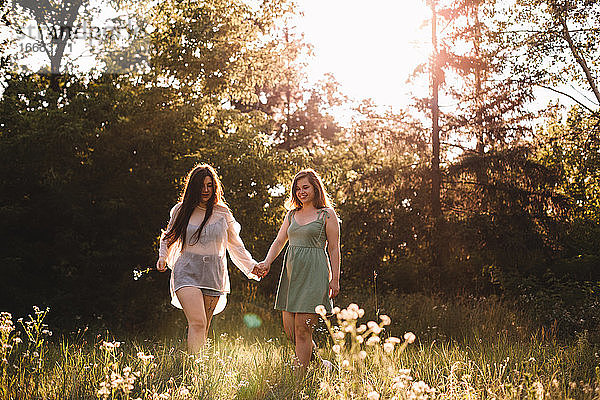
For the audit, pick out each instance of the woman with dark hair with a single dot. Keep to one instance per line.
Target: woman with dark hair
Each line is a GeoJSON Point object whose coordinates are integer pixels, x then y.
{"type": "Point", "coordinates": [310, 276]}
{"type": "Point", "coordinates": [200, 230]}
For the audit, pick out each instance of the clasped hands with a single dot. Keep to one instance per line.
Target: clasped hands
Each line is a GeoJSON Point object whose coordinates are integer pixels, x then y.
{"type": "Point", "coordinates": [261, 269]}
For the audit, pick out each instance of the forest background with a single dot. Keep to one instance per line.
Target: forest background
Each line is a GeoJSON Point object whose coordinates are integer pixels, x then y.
{"type": "Point", "coordinates": [493, 199]}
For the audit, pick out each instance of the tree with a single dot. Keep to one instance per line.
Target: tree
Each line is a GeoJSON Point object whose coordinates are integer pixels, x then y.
{"type": "Point", "coordinates": [560, 45]}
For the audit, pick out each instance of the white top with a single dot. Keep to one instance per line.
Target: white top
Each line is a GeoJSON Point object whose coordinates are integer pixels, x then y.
{"type": "Point", "coordinates": [220, 233]}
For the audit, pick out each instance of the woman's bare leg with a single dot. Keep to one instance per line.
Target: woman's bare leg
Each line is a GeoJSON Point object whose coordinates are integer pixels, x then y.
{"type": "Point", "coordinates": [288, 324]}
{"type": "Point", "coordinates": [192, 301]}
{"type": "Point", "coordinates": [303, 328]}
{"type": "Point", "coordinates": [210, 302]}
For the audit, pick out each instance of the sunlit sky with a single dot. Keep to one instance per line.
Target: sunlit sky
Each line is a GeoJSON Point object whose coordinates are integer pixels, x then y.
{"type": "Point", "coordinates": [371, 47]}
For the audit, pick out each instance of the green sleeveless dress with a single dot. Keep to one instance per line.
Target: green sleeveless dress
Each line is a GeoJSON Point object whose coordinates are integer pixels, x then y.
{"type": "Point", "coordinates": [304, 281]}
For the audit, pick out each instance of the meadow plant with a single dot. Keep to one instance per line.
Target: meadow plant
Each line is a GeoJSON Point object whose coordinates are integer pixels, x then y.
{"type": "Point", "coordinates": [23, 363]}
{"type": "Point", "coordinates": [366, 364]}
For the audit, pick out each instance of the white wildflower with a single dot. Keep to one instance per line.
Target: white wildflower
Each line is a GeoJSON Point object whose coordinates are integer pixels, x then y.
{"type": "Point", "coordinates": [320, 309]}
{"type": "Point", "coordinates": [409, 337]}
{"type": "Point", "coordinates": [373, 395]}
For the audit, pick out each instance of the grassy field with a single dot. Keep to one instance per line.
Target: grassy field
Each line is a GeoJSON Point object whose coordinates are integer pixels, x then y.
{"type": "Point", "coordinates": [464, 349]}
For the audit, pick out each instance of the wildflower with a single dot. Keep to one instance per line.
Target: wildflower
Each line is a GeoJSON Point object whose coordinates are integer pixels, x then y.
{"type": "Point", "coordinates": [17, 340]}
{"type": "Point", "coordinates": [345, 364]}
{"type": "Point", "coordinates": [361, 328]}
{"type": "Point", "coordinates": [109, 345]}
{"type": "Point", "coordinates": [323, 385]}
{"type": "Point", "coordinates": [539, 390]}
{"type": "Point", "coordinates": [376, 329]}
{"type": "Point", "coordinates": [320, 309]}
{"type": "Point", "coordinates": [409, 337]}
{"type": "Point", "coordinates": [362, 354]}
{"type": "Point", "coordinates": [393, 340]}
{"type": "Point", "coordinates": [336, 310]}
{"type": "Point", "coordinates": [104, 391]}
{"type": "Point", "coordinates": [339, 335]}
{"type": "Point", "coordinates": [420, 390]}
{"type": "Point", "coordinates": [348, 315]}
{"type": "Point", "coordinates": [400, 382]}
{"type": "Point", "coordinates": [373, 395]}
{"type": "Point", "coordinates": [359, 339]}
{"type": "Point", "coordinates": [388, 347]}
{"type": "Point", "coordinates": [361, 312]}
{"type": "Point", "coordinates": [373, 340]}
{"type": "Point", "coordinates": [183, 391]}
{"type": "Point", "coordinates": [385, 319]}
{"type": "Point", "coordinates": [336, 348]}
{"type": "Point", "coordinates": [145, 357]}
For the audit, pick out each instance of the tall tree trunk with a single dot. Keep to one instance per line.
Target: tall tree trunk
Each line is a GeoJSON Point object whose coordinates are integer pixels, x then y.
{"type": "Point", "coordinates": [436, 246]}
{"type": "Point", "coordinates": [436, 208]}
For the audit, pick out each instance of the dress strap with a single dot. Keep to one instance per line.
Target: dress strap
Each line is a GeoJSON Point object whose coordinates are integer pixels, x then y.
{"type": "Point", "coordinates": [322, 217]}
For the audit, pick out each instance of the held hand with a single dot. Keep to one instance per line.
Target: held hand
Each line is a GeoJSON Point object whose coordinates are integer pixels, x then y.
{"type": "Point", "coordinates": [334, 288]}
{"type": "Point", "coordinates": [257, 270]}
{"type": "Point", "coordinates": [263, 268]}
{"type": "Point", "coordinates": [161, 265]}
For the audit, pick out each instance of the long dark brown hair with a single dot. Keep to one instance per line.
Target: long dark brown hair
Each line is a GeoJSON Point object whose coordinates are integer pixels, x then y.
{"type": "Point", "coordinates": [190, 198]}
{"type": "Point", "coordinates": [321, 197]}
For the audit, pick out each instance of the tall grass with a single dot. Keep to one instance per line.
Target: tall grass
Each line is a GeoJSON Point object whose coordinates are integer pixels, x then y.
{"type": "Point", "coordinates": [465, 349]}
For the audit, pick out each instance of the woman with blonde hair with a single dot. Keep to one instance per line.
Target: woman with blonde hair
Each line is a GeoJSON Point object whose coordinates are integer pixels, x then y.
{"type": "Point", "coordinates": [310, 276]}
{"type": "Point", "coordinates": [200, 230]}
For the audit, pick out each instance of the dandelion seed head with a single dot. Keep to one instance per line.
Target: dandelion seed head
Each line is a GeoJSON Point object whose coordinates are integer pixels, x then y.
{"type": "Point", "coordinates": [388, 347]}
{"type": "Point", "coordinates": [373, 395]}
{"type": "Point", "coordinates": [373, 340]}
{"type": "Point", "coordinates": [339, 335]}
{"type": "Point", "coordinates": [320, 309]}
{"type": "Point", "coordinates": [409, 337]}
{"type": "Point", "coordinates": [394, 340]}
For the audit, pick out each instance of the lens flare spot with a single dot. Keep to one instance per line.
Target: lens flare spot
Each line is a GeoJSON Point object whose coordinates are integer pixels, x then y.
{"type": "Point", "coordinates": [252, 320]}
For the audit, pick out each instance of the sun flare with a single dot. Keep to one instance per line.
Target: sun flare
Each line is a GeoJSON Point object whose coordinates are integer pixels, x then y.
{"type": "Point", "coordinates": [370, 47]}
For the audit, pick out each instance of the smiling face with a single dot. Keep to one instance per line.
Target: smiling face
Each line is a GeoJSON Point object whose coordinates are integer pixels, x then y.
{"type": "Point", "coordinates": [207, 190]}
{"type": "Point", "coordinates": [305, 191]}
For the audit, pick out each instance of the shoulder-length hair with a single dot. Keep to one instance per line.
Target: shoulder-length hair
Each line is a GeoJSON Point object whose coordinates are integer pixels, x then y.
{"type": "Point", "coordinates": [322, 198]}
{"type": "Point", "coordinates": [190, 199]}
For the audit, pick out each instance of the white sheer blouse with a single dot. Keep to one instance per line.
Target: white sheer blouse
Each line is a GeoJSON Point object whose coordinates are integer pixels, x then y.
{"type": "Point", "coordinates": [221, 233]}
